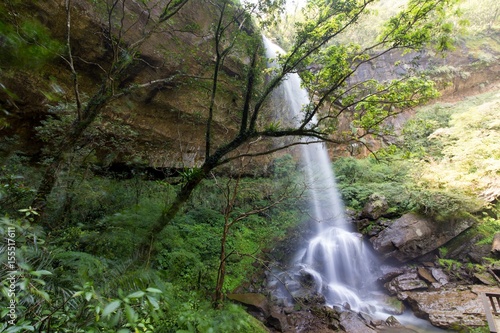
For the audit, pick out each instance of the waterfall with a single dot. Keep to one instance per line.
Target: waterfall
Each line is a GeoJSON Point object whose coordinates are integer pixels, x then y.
{"type": "Point", "coordinates": [334, 261]}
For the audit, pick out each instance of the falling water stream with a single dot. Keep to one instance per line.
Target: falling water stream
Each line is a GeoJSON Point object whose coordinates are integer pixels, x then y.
{"type": "Point", "coordinates": [335, 260]}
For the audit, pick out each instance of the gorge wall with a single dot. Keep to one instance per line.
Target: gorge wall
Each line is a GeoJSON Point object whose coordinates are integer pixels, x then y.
{"type": "Point", "coordinates": [165, 126]}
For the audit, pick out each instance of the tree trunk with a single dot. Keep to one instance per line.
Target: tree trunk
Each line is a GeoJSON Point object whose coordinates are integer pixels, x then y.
{"type": "Point", "coordinates": [67, 144]}
{"type": "Point", "coordinates": [147, 246]}
{"type": "Point", "coordinates": [221, 273]}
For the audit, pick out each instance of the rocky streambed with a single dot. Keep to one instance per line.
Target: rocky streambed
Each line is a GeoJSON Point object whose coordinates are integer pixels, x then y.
{"type": "Point", "coordinates": [434, 271]}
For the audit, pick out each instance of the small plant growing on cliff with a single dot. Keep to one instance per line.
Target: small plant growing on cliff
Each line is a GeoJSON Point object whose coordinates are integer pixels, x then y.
{"type": "Point", "coordinates": [449, 264]}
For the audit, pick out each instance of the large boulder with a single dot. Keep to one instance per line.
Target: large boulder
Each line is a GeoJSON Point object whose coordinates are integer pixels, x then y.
{"type": "Point", "coordinates": [452, 307]}
{"type": "Point", "coordinates": [412, 236]}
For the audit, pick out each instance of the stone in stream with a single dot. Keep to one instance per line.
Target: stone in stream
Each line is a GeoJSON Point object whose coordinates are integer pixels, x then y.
{"type": "Point", "coordinates": [351, 322]}
{"type": "Point", "coordinates": [405, 282]}
{"type": "Point", "coordinates": [426, 275]}
{"type": "Point", "coordinates": [440, 276]}
{"type": "Point", "coordinates": [390, 272]}
{"type": "Point", "coordinates": [452, 307]}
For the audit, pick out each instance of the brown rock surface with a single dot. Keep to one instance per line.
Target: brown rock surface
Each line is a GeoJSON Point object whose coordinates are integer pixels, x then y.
{"type": "Point", "coordinates": [406, 282]}
{"type": "Point", "coordinates": [445, 308]}
{"type": "Point", "coordinates": [412, 236]}
{"type": "Point", "coordinates": [254, 300]}
{"type": "Point", "coordinates": [350, 322]}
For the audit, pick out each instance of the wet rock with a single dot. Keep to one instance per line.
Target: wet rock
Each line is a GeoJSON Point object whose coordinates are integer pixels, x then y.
{"type": "Point", "coordinates": [275, 322]}
{"type": "Point", "coordinates": [369, 228]}
{"type": "Point", "coordinates": [392, 322]}
{"type": "Point", "coordinates": [308, 322]}
{"type": "Point", "coordinates": [328, 315]}
{"type": "Point", "coordinates": [395, 330]}
{"type": "Point", "coordinates": [406, 282]}
{"type": "Point", "coordinates": [452, 307]}
{"type": "Point", "coordinates": [310, 298]}
{"type": "Point", "coordinates": [375, 207]}
{"type": "Point", "coordinates": [412, 236]}
{"type": "Point", "coordinates": [391, 305]}
{"type": "Point", "coordinates": [369, 320]}
{"type": "Point", "coordinates": [390, 272]}
{"type": "Point", "coordinates": [351, 322]}
{"type": "Point", "coordinates": [307, 280]}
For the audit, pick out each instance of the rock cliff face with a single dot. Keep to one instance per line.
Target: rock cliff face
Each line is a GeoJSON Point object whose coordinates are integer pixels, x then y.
{"type": "Point", "coordinates": [165, 125]}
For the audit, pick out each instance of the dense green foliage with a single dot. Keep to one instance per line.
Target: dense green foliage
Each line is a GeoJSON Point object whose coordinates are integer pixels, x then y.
{"type": "Point", "coordinates": [81, 275]}
{"type": "Point", "coordinates": [358, 179]}
{"type": "Point", "coordinates": [477, 16]}
{"type": "Point", "coordinates": [445, 165]}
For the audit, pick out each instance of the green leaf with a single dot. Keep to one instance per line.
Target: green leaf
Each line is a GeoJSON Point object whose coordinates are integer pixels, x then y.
{"type": "Point", "coordinates": [153, 302]}
{"type": "Point", "coordinates": [154, 290]}
{"type": "Point", "coordinates": [110, 308]}
{"type": "Point", "coordinates": [137, 294]}
{"type": "Point", "coordinates": [116, 318]}
{"type": "Point", "coordinates": [41, 272]}
{"type": "Point", "coordinates": [42, 294]}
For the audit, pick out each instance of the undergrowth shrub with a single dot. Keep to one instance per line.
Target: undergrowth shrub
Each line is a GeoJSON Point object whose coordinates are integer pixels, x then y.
{"type": "Point", "coordinates": [490, 224]}
{"type": "Point", "coordinates": [17, 184]}
{"type": "Point", "coordinates": [201, 317]}
{"type": "Point", "coordinates": [358, 179]}
{"type": "Point", "coordinates": [442, 204]}
{"type": "Point", "coordinates": [84, 268]}
{"type": "Point", "coordinates": [104, 297]}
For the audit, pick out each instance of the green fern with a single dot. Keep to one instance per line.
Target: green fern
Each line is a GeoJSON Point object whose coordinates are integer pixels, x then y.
{"type": "Point", "coordinates": [79, 265]}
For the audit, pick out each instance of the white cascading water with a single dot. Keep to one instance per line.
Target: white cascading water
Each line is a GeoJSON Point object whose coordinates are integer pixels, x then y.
{"type": "Point", "coordinates": [335, 258]}
{"type": "Point", "coordinates": [334, 261]}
